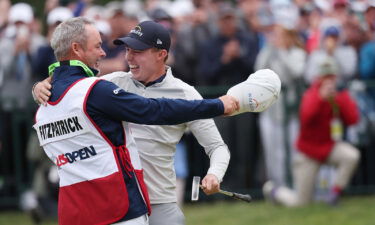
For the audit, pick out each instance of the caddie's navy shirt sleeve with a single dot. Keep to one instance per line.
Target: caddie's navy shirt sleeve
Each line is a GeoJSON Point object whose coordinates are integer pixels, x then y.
{"type": "Point", "coordinates": [107, 98]}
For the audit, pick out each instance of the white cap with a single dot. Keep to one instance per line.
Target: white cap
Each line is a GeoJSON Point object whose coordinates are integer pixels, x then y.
{"type": "Point", "coordinates": [59, 14]}
{"type": "Point", "coordinates": [21, 12]}
{"type": "Point", "coordinates": [103, 27]}
{"type": "Point", "coordinates": [258, 92]}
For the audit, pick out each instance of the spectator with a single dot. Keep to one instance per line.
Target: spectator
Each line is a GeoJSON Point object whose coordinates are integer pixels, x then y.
{"type": "Point", "coordinates": [313, 32]}
{"type": "Point", "coordinates": [332, 46]}
{"type": "Point", "coordinates": [369, 17]}
{"type": "Point", "coordinates": [227, 58]}
{"type": "Point", "coordinates": [340, 10]}
{"type": "Point", "coordinates": [367, 55]}
{"type": "Point", "coordinates": [367, 61]}
{"type": "Point", "coordinates": [324, 112]}
{"type": "Point", "coordinates": [20, 44]}
{"type": "Point", "coordinates": [352, 32]}
{"type": "Point", "coordinates": [190, 35]}
{"type": "Point", "coordinates": [119, 27]}
{"type": "Point", "coordinates": [18, 47]}
{"type": "Point", "coordinates": [257, 17]}
{"type": "Point", "coordinates": [285, 55]}
{"type": "Point", "coordinates": [45, 56]}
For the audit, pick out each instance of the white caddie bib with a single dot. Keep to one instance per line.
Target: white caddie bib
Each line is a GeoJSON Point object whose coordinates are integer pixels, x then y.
{"type": "Point", "coordinates": [71, 140]}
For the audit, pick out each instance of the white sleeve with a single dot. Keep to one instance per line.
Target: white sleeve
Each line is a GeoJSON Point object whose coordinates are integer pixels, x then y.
{"type": "Point", "coordinates": [208, 136]}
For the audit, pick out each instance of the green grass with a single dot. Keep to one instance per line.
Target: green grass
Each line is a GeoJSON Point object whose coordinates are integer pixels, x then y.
{"type": "Point", "coordinates": [351, 211]}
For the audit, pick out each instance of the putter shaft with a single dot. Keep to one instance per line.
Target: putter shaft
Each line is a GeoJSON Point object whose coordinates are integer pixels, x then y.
{"type": "Point", "coordinates": [246, 198]}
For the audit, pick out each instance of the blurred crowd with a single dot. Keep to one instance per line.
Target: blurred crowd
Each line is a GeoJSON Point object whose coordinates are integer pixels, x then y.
{"type": "Point", "coordinates": [214, 42]}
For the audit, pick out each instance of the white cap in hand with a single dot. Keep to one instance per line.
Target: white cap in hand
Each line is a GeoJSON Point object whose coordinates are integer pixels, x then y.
{"type": "Point", "coordinates": [258, 92]}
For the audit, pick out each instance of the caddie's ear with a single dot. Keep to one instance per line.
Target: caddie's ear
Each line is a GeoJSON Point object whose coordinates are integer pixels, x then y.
{"type": "Point", "coordinates": [77, 49]}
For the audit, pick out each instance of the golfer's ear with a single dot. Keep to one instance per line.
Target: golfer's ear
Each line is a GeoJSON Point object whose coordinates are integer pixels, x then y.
{"type": "Point", "coordinates": [162, 54]}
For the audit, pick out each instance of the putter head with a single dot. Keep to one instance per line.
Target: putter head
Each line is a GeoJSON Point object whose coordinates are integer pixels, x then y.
{"type": "Point", "coordinates": [195, 188]}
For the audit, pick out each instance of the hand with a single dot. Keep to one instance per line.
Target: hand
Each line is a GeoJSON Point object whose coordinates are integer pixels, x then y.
{"type": "Point", "coordinates": [42, 92]}
{"type": "Point", "coordinates": [231, 50]}
{"type": "Point", "coordinates": [210, 184]}
{"type": "Point", "coordinates": [327, 88]}
{"type": "Point", "coordinates": [230, 103]}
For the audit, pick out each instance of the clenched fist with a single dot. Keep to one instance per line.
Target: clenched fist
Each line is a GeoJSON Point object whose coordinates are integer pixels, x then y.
{"type": "Point", "coordinates": [231, 104]}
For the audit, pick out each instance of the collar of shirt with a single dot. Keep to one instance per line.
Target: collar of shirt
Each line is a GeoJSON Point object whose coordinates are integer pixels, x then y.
{"type": "Point", "coordinates": [160, 79]}
{"type": "Point", "coordinates": [66, 72]}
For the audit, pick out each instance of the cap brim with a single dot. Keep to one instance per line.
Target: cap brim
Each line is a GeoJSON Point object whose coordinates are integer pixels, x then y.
{"type": "Point", "coordinates": [132, 43]}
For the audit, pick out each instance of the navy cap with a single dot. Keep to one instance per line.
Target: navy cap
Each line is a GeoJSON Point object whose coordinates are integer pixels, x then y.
{"type": "Point", "coordinates": [145, 35]}
{"type": "Point", "coordinates": [332, 31]}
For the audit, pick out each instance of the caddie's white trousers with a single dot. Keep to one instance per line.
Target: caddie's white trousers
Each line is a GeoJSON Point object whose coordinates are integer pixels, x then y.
{"type": "Point", "coordinates": [344, 157]}
{"type": "Point", "coordinates": [142, 220]}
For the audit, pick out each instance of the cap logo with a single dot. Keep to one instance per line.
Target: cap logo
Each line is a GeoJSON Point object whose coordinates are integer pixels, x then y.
{"type": "Point", "coordinates": [159, 42]}
{"type": "Point", "coordinates": [137, 30]}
